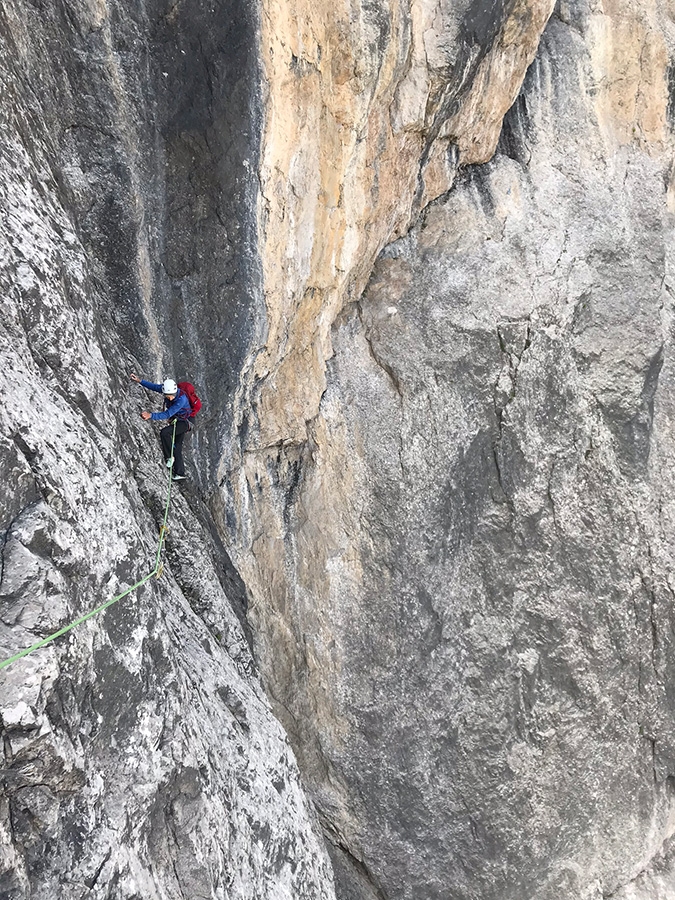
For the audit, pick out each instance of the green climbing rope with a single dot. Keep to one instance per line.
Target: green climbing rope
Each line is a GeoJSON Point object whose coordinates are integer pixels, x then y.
{"type": "Point", "coordinates": [156, 572]}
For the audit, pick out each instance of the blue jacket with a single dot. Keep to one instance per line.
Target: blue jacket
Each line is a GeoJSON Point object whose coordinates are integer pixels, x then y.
{"type": "Point", "coordinates": [179, 407]}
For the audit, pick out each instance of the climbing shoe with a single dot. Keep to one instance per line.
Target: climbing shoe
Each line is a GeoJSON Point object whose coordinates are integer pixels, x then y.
{"type": "Point", "coordinates": [179, 477]}
{"type": "Point", "coordinates": [169, 463]}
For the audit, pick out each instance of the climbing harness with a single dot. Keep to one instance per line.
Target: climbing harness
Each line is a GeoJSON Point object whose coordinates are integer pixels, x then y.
{"type": "Point", "coordinates": [156, 573]}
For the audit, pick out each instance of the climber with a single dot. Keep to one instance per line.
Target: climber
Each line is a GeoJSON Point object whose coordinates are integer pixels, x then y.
{"type": "Point", "coordinates": [177, 408]}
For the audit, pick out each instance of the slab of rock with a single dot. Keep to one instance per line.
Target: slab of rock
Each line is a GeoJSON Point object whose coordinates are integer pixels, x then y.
{"type": "Point", "coordinates": [139, 754]}
{"type": "Point", "coordinates": [369, 107]}
{"type": "Point", "coordinates": [469, 567]}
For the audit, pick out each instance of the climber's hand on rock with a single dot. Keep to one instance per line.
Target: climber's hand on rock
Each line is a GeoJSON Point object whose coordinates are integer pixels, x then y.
{"type": "Point", "coordinates": [145, 415]}
{"type": "Point", "coordinates": [134, 378]}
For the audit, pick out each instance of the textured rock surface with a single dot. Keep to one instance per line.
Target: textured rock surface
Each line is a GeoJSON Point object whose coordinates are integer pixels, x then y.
{"type": "Point", "coordinates": [464, 597]}
{"type": "Point", "coordinates": [449, 499]}
{"type": "Point", "coordinates": [364, 105]}
{"type": "Point", "coordinates": [140, 757]}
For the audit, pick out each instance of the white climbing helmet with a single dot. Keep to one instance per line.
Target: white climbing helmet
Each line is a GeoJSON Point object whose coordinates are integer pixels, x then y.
{"type": "Point", "coordinates": [169, 386]}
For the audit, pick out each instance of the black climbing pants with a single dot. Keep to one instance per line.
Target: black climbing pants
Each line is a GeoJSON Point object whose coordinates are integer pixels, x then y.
{"type": "Point", "coordinates": [166, 434]}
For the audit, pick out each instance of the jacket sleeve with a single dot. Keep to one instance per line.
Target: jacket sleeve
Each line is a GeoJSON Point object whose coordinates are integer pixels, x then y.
{"type": "Point", "coordinates": [151, 386]}
{"type": "Point", "coordinates": [179, 404]}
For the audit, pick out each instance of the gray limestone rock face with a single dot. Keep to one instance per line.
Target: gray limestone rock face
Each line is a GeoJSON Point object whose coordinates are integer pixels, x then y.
{"type": "Point", "coordinates": [480, 542]}
{"type": "Point", "coordinates": [139, 756]}
{"type": "Point", "coordinates": [460, 562]}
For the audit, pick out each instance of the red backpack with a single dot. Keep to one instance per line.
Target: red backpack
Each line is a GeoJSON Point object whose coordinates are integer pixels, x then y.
{"type": "Point", "coordinates": [189, 391]}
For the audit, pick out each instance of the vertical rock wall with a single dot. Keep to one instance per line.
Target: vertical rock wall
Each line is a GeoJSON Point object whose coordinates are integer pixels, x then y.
{"type": "Point", "coordinates": [364, 106]}
{"type": "Point", "coordinates": [462, 588]}
{"type": "Point", "coordinates": [140, 757]}
{"type": "Point", "coordinates": [448, 496]}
